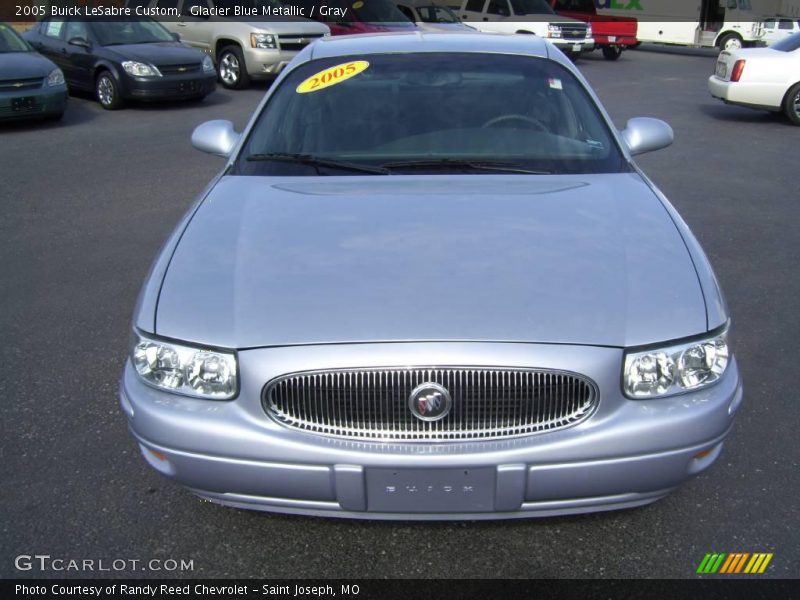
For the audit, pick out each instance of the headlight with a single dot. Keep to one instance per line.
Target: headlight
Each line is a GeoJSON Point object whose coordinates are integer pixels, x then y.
{"type": "Point", "coordinates": [187, 370]}
{"type": "Point", "coordinates": [264, 41]}
{"type": "Point", "coordinates": [675, 369]}
{"type": "Point", "coordinates": [588, 30]}
{"type": "Point", "coordinates": [208, 64]}
{"type": "Point", "coordinates": [55, 78]}
{"type": "Point", "coordinates": [553, 31]}
{"type": "Point", "coordinates": [138, 69]}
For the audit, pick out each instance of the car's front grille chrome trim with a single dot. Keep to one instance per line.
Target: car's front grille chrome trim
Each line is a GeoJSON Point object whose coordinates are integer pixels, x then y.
{"type": "Point", "coordinates": [373, 404]}
{"type": "Point", "coordinates": [17, 85]}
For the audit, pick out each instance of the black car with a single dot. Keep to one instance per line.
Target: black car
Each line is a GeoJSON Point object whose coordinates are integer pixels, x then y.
{"type": "Point", "coordinates": [30, 84]}
{"type": "Point", "coordinates": [124, 59]}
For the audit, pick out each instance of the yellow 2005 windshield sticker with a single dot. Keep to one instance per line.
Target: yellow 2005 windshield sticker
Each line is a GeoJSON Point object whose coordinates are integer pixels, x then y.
{"type": "Point", "coordinates": [332, 76]}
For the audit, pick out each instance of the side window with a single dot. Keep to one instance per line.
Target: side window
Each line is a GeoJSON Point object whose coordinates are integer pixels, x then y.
{"type": "Point", "coordinates": [76, 29]}
{"type": "Point", "coordinates": [498, 7]}
{"type": "Point", "coordinates": [769, 23]}
{"type": "Point", "coordinates": [407, 12]}
{"type": "Point", "coordinates": [786, 24]}
{"type": "Point", "coordinates": [53, 28]}
{"type": "Point", "coordinates": [474, 5]}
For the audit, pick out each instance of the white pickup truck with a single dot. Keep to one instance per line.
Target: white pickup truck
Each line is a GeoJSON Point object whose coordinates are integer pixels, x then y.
{"type": "Point", "coordinates": [526, 16]}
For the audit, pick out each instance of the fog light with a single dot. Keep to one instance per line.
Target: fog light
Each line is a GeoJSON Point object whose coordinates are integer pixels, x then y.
{"type": "Point", "coordinates": [158, 460]}
{"type": "Point", "coordinates": [704, 453]}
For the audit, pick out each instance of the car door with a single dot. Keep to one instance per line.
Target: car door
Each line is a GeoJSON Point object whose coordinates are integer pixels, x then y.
{"type": "Point", "coordinates": [498, 9]}
{"type": "Point", "coordinates": [770, 31]}
{"type": "Point", "coordinates": [785, 28]}
{"type": "Point", "coordinates": [473, 10]}
{"type": "Point", "coordinates": [79, 54]}
{"type": "Point", "coordinates": [50, 41]}
{"type": "Point", "coordinates": [193, 28]}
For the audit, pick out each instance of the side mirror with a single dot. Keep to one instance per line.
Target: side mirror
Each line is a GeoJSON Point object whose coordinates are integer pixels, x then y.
{"type": "Point", "coordinates": [79, 41]}
{"type": "Point", "coordinates": [644, 134]}
{"type": "Point", "coordinates": [176, 36]}
{"type": "Point", "coordinates": [215, 137]}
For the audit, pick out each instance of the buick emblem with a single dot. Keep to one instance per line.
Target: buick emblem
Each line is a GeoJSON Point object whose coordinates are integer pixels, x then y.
{"type": "Point", "coordinates": [430, 402]}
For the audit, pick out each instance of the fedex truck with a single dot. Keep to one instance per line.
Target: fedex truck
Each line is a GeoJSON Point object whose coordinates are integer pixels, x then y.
{"type": "Point", "coordinates": [725, 24]}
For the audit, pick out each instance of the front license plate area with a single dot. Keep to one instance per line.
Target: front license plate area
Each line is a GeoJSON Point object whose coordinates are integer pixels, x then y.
{"type": "Point", "coordinates": [187, 86]}
{"type": "Point", "coordinates": [576, 47]}
{"type": "Point", "coordinates": [21, 104]}
{"type": "Point", "coordinates": [431, 490]}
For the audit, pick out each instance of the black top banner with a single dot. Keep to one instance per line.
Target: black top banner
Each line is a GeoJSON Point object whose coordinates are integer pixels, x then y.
{"type": "Point", "coordinates": [368, 589]}
{"type": "Point", "coordinates": [708, 14]}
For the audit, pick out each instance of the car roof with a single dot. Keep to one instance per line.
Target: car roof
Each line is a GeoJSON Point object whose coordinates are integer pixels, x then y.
{"type": "Point", "coordinates": [418, 41]}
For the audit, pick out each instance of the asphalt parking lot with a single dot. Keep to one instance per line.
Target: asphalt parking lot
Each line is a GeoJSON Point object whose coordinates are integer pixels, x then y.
{"type": "Point", "coordinates": [86, 204]}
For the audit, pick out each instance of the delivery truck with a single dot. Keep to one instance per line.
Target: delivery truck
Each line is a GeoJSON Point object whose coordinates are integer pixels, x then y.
{"type": "Point", "coordinates": [725, 24]}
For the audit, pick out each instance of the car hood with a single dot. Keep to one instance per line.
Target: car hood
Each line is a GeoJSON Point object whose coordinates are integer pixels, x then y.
{"type": "Point", "coordinates": [15, 65]}
{"type": "Point", "coordinates": [161, 53]}
{"type": "Point", "coordinates": [559, 259]}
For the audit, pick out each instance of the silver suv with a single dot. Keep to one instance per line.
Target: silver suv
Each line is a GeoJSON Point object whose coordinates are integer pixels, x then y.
{"type": "Point", "coordinates": [242, 50]}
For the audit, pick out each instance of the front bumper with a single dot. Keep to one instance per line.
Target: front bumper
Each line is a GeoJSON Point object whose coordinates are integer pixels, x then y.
{"type": "Point", "coordinates": [31, 104]}
{"type": "Point", "coordinates": [266, 63]}
{"type": "Point", "coordinates": [573, 46]}
{"type": "Point", "coordinates": [168, 87]}
{"type": "Point", "coordinates": [628, 453]}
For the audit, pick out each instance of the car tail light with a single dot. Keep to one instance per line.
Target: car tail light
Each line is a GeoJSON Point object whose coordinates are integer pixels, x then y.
{"type": "Point", "coordinates": [738, 68]}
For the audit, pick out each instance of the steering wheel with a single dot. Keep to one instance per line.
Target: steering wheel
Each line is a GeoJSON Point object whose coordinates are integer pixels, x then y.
{"type": "Point", "coordinates": [537, 124]}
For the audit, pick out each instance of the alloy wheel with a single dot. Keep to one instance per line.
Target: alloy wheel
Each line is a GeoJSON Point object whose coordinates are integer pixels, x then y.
{"type": "Point", "coordinates": [105, 91]}
{"type": "Point", "coordinates": [229, 68]}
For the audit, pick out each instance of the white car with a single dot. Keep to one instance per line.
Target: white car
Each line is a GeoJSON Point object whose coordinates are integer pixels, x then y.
{"type": "Point", "coordinates": [765, 78]}
{"type": "Point", "coordinates": [778, 28]}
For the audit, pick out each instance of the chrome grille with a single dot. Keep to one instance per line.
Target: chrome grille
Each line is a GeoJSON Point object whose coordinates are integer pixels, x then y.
{"type": "Point", "coordinates": [297, 42]}
{"type": "Point", "coordinates": [571, 31]}
{"type": "Point", "coordinates": [487, 403]}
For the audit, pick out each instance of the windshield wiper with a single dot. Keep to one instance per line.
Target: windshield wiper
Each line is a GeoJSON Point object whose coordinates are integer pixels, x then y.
{"type": "Point", "coordinates": [458, 163]}
{"type": "Point", "coordinates": [317, 162]}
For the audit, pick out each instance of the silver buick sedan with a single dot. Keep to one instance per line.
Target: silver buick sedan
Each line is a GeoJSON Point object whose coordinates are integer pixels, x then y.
{"type": "Point", "coordinates": [431, 283]}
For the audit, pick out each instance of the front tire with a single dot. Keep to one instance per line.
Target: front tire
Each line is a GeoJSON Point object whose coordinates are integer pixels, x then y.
{"type": "Point", "coordinates": [731, 42]}
{"type": "Point", "coordinates": [612, 52]}
{"type": "Point", "coordinates": [231, 69]}
{"type": "Point", "coordinates": [791, 104]}
{"type": "Point", "coordinates": [107, 91]}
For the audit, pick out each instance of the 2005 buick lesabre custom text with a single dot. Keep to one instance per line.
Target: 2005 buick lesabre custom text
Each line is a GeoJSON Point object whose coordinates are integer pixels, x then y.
{"type": "Point", "coordinates": [431, 283]}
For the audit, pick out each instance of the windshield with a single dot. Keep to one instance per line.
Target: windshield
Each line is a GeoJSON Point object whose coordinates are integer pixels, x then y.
{"type": "Point", "coordinates": [789, 44]}
{"type": "Point", "coordinates": [531, 7]}
{"type": "Point", "coordinates": [437, 14]}
{"type": "Point", "coordinates": [441, 110]}
{"type": "Point", "coordinates": [139, 31]}
{"type": "Point", "coordinates": [11, 42]}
